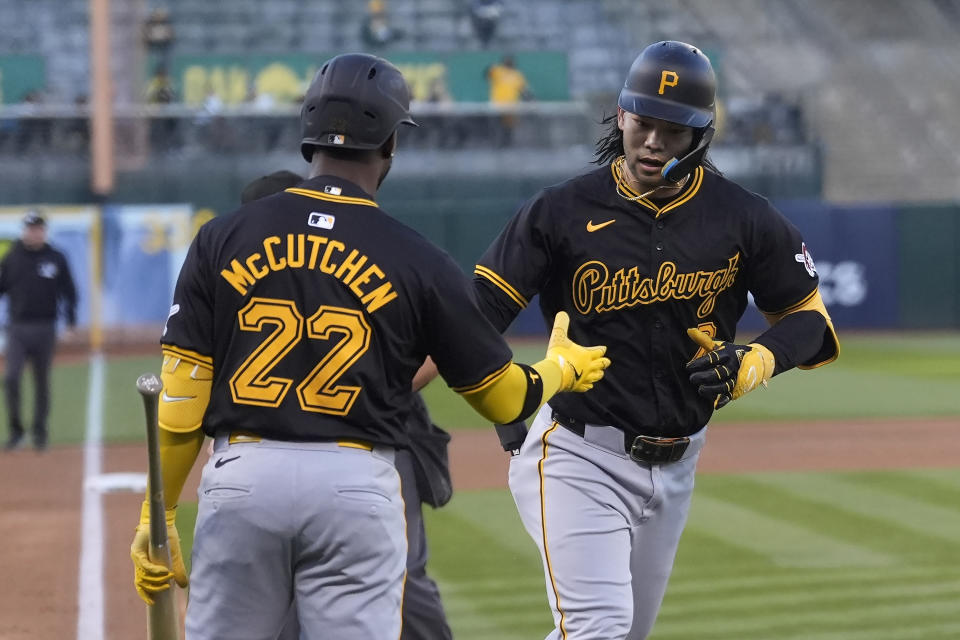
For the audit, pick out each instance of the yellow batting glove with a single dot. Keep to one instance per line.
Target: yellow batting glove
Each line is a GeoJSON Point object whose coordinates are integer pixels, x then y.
{"type": "Point", "coordinates": [152, 577]}
{"type": "Point", "coordinates": [728, 371]}
{"type": "Point", "coordinates": [580, 367]}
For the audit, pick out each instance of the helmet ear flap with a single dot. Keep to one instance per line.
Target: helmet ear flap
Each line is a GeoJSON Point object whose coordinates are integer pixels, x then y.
{"type": "Point", "coordinates": [675, 170]}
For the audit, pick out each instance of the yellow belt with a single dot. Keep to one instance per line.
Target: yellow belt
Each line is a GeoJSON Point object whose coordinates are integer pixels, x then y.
{"type": "Point", "coordinates": [240, 437]}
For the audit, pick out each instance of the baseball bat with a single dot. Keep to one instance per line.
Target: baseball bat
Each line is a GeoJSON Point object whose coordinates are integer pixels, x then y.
{"type": "Point", "coordinates": [162, 620]}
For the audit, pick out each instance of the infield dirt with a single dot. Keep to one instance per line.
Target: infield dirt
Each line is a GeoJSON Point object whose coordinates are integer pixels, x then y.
{"type": "Point", "coordinates": [40, 504]}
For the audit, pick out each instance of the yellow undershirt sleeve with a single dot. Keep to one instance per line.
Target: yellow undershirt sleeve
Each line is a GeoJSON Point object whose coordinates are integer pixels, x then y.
{"type": "Point", "coordinates": [178, 452]}
{"type": "Point", "coordinates": [502, 400]}
{"type": "Point", "coordinates": [187, 378]}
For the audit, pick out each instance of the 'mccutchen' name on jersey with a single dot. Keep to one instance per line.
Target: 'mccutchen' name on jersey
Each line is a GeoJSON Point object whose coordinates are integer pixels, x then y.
{"type": "Point", "coordinates": [310, 251]}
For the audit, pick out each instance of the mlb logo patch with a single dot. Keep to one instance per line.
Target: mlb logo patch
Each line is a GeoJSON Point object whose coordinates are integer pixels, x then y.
{"type": "Point", "coordinates": [335, 138]}
{"type": "Point", "coordinates": [332, 190]}
{"type": "Point", "coordinates": [321, 220]}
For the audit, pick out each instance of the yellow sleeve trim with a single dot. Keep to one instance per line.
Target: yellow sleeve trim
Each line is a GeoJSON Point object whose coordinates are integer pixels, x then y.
{"type": "Point", "coordinates": [775, 316]}
{"type": "Point", "coordinates": [486, 382]}
{"type": "Point", "coordinates": [188, 355]}
{"type": "Point", "coordinates": [831, 343]}
{"type": "Point", "coordinates": [501, 284]}
{"type": "Point", "coordinates": [319, 195]}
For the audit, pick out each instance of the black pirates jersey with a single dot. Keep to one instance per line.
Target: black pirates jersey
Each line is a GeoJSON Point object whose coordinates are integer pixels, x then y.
{"type": "Point", "coordinates": [314, 309]}
{"type": "Point", "coordinates": [634, 274]}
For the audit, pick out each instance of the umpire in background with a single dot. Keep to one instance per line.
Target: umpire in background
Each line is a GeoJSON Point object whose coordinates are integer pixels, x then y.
{"type": "Point", "coordinates": [424, 478]}
{"type": "Point", "coordinates": [37, 280]}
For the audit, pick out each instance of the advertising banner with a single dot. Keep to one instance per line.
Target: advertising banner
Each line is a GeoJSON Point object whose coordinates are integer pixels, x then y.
{"type": "Point", "coordinates": [21, 76]}
{"type": "Point", "coordinates": [855, 251]}
{"type": "Point", "coordinates": [283, 78]}
{"type": "Point", "coordinates": [144, 247]}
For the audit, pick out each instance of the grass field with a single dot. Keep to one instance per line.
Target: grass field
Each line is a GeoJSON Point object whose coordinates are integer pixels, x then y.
{"type": "Point", "coordinates": [812, 556]}
{"type": "Point", "coordinates": [829, 556]}
{"type": "Point", "coordinates": [902, 376]}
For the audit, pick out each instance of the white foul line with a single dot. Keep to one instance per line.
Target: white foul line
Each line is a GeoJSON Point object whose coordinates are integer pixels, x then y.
{"type": "Point", "coordinates": [90, 582]}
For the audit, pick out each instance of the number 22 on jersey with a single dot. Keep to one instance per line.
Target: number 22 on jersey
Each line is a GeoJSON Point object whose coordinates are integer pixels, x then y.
{"type": "Point", "coordinates": [319, 392]}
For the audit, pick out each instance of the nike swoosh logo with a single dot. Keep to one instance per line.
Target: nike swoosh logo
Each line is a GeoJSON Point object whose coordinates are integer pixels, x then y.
{"type": "Point", "coordinates": [593, 227]}
{"type": "Point", "coordinates": [222, 461]}
{"type": "Point", "coordinates": [167, 398]}
{"type": "Point", "coordinates": [751, 377]}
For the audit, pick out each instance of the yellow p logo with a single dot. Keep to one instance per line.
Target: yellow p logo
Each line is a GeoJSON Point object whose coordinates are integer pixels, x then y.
{"type": "Point", "coordinates": [668, 79]}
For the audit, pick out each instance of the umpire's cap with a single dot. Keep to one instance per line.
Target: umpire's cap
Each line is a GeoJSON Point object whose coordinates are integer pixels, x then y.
{"type": "Point", "coordinates": [356, 101]}
{"type": "Point", "coordinates": [34, 218]}
{"type": "Point", "coordinates": [672, 81]}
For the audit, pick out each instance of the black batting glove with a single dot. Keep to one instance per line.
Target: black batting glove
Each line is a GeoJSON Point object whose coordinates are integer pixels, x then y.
{"type": "Point", "coordinates": [728, 370]}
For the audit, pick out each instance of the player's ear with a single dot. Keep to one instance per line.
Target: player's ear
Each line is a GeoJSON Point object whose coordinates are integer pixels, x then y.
{"type": "Point", "coordinates": [620, 115]}
{"type": "Point", "coordinates": [389, 147]}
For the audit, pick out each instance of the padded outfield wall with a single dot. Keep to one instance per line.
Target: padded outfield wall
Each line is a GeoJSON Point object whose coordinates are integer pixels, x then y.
{"type": "Point", "coordinates": [881, 266]}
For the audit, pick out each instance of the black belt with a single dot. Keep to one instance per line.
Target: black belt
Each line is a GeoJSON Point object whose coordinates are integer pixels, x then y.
{"type": "Point", "coordinates": [645, 449]}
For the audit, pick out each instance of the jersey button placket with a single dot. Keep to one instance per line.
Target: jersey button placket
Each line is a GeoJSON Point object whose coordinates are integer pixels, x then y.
{"type": "Point", "coordinates": [659, 360]}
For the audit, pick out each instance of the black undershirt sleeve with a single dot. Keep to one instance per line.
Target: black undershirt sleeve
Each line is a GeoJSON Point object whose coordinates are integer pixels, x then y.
{"type": "Point", "coordinates": [795, 339]}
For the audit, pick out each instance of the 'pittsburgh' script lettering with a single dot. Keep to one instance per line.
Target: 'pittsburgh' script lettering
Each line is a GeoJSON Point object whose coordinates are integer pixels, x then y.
{"type": "Point", "coordinates": [308, 251]}
{"type": "Point", "coordinates": [595, 290]}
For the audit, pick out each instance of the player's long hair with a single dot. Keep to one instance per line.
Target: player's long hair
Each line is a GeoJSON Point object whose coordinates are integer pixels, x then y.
{"type": "Point", "coordinates": [610, 146]}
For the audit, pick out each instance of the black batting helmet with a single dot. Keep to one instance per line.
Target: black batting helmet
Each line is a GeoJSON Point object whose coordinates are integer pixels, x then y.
{"type": "Point", "coordinates": [672, 81]}
{"type": "Point", "coordinates": [356, 101]}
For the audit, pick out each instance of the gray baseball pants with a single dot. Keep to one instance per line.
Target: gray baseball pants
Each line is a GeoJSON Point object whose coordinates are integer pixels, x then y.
{"type": "Point", "coordinates": [423, 614]}
{"type": "Point", "coordinates": [607, 527]}
{"type": "Point", "coordinates": [316, 523]}
{"type": "Point", "coordinates": [33, 342]}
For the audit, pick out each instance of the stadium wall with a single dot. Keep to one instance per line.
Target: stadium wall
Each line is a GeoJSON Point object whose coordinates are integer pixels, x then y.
{"type": "Point", "coordinates": [881, 266]}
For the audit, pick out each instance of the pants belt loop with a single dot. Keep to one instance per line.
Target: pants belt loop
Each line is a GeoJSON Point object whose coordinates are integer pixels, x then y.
{"type": "Point", "coordinates": [221, 441]}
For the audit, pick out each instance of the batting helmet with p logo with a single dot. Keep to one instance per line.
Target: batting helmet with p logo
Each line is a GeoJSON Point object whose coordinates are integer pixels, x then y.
{"type": "Point", "coordinates": [672, 81]}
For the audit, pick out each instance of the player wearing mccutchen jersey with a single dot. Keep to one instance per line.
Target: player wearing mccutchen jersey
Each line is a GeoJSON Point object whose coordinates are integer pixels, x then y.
{"type": "Point", "coordinates": [297, 325]}
{"type": "Point", "coordinates": [655, 258]}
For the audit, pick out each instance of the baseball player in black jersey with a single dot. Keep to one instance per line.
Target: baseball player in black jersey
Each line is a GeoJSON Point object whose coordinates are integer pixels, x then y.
{"type": "Point", "coordinates": [654, 255]}
{"type": "Point", "coordinates": [297, 324]}
{"type": "Point", "coordinates": [424, 478]}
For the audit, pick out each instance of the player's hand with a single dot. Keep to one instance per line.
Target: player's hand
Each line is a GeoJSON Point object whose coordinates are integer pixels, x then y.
{"type": "Point", "coordinates": [581, 366]}
{"type": "Point", "coordinates": [728, 371]}
{"type": "Point", "coordinates": [150, 577]}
